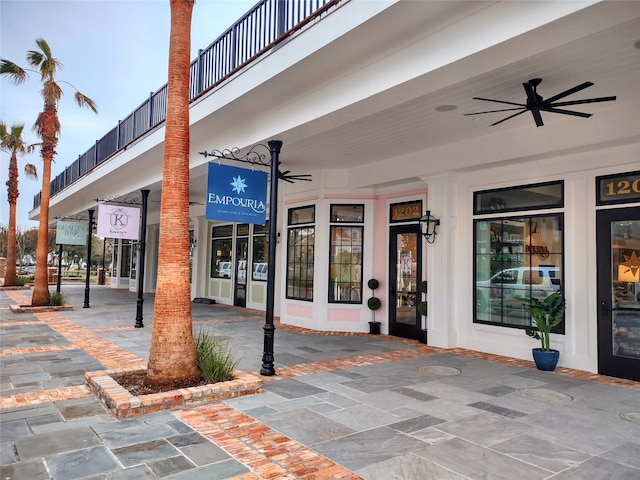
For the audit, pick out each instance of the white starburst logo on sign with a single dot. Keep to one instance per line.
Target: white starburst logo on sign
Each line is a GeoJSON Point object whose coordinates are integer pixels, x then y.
{"type": "Point", "coordinates": [238, 184]}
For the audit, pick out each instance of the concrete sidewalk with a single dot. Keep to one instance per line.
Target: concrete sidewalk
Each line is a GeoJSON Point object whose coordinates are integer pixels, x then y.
{"type": "Point", "coordinates": [339, 407]}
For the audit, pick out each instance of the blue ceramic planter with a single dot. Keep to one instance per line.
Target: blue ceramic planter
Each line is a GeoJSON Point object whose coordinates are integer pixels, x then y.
{"type": "Point", "coordinates": [546, 361]}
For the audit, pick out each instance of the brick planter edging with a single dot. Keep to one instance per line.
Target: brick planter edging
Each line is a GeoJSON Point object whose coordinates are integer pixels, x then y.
{"type": "Point", "coordinates": [123, 404]}
{"type": "Point", "coordinates": [44, 308]}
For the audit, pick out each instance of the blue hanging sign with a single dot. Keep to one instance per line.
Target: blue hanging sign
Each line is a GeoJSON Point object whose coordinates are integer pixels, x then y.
{"type": "Point", "coordinates": [236, 195]}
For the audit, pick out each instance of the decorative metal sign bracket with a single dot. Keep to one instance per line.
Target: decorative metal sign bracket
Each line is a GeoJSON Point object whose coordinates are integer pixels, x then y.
{"type": "Point", "coordinates": [254, 157]}
{"type": "Point", "coordinates": [128, 199]}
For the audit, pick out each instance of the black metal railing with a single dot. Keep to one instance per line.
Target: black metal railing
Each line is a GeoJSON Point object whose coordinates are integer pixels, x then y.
{"type": "Point", "coordinates": [268, 23]}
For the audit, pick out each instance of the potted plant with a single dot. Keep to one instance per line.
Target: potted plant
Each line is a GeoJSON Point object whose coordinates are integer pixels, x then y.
{"type": "Point", "coordinates": [374, 304]}
{"type": "Point", "coordinates": [546, 314]}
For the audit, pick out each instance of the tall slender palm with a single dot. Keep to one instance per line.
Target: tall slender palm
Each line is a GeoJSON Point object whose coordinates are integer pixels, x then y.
{"type": "Point", "coordinates": [47, 127]}
{"type": "Point", "coordinates": [173, 355]}
{"type": "Point", "coordinates": [11, 141]}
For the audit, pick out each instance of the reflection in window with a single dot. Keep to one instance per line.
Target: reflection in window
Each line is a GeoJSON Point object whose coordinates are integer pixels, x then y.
{"type": "Point", "coordinates": [345, 265]}
{"type": "Point", "coordinates": [221, 252]}
{"type": "Point", "coordinates": [260, 256]}
{"type": "Point", "coordinates": [300, 258]}
{"type": "Point", "coordinates": [125, 262]}
{"type": "Point", "coordinates": [516, 257]}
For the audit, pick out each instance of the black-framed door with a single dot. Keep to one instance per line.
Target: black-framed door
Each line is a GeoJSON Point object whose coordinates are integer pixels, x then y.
{"type": "Point", "coordinates": [405, 274]}
{"type": "Point", "coordinates": [618, 277]}
{"type": "Point", "coordinates": [241, 268]}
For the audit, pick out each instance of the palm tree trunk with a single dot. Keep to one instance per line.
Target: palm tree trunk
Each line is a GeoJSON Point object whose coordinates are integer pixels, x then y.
{"type": "Point", "coordinates": [41, 293]}
{"type": "Point", "coordinates": [173, 355]}
{"type": "Point", "coordinates": [12, 190]}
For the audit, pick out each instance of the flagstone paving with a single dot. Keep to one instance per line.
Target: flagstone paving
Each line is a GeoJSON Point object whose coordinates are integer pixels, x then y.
{"type": "Point", "coordinates": [341, 406]}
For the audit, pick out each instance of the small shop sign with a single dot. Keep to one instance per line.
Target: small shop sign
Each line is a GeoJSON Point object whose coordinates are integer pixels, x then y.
{"type": "Point", "coordinates": [71, 233]}
{"type": "Point", "coordinates": [117, 221]}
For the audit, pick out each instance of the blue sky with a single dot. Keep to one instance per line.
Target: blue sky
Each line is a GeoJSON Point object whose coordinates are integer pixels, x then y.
{"type": "Point", "coordinates": [114, 51]}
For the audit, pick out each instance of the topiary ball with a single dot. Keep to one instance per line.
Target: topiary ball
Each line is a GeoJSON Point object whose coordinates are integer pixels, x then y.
{"type": "Point", "coordinates": [422, 308]}
{"type": "Point", "coordinates": [374, 303]}
{"type": "Point", "coordinates": [373, 284]}
{"type": "Point", "coordinates": [423, 286]}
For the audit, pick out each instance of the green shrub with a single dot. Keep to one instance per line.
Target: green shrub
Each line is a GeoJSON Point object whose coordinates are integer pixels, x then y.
{"type": "Point", "coordinates": [216, 361]}
{"type": "Point", "coordinates": [423, 286]}
{"type": "Point", "coordinates": [422, 308]}
{"type": "Point", "coordinates": [22, 280]}
{"type": "Point", "coordinates": [57, 299]}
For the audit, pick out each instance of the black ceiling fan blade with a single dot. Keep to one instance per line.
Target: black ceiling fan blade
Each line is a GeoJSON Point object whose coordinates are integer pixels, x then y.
{"type": "Point", "coordinates": [499, 101]}
{"type": "Point", "coordinates": [535, 112]}
{"type": "Point", "coordinates": [304, 178]}
{"type": "Point", "coordinates": [580, 102]}
{"type": "Point", "coordinates": [565, 112]}
{"type": "Point", "coordinates": [507, 118]}
{"type": "Point", "coordinates": [494, 111]}
{"type": "Point", "coordinates": [566, 93]}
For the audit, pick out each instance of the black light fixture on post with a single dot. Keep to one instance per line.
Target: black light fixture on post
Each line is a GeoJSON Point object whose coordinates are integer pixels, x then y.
{"type": "Point", "coordinates": [430, 225]}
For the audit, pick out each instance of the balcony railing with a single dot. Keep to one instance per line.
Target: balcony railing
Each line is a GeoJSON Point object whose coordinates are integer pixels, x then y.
{"type": "Point", "coordinates": [268, 23]}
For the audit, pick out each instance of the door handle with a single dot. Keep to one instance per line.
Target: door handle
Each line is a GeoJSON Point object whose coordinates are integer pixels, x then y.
{"type": "Point", "coordinates": [604, 307]}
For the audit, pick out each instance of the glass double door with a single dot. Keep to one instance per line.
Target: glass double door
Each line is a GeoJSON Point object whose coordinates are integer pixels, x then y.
{"type": "Point", "coordinates": [405, 274]}
{"type": "Point", "coordinates": [618, 277]}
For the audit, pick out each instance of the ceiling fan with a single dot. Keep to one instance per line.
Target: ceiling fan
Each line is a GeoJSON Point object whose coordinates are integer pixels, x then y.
{"type": "Point", "coordinates": [293, 178]}
{"type": "Point", "coordinates": [536, 104]}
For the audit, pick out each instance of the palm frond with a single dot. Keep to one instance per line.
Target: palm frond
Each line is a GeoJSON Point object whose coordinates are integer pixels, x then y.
{"type": "Point", "coordinates": [12, 70]}
{"type": "Point", "coordinates": [31, 171]}
{"type": "Point", "coordinates": [35, 58]}
{"type": "Point", "coordinates": [84, 101]}
{"type": "Point", "coordinates": [44, 47]}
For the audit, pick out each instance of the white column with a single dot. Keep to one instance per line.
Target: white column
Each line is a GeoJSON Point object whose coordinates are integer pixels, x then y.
{"type": "Point", "coordinates": [441, 201]}
{"type": "Point", "coordinates": [199, 266]}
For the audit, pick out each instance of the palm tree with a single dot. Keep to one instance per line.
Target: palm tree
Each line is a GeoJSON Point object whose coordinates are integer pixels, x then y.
{"type": "Point", "coordinates": [11, 141]}
{"type": "Point", "coordinates": [172, 356]}
{"type": "Point", "coordinates": [47, 127]}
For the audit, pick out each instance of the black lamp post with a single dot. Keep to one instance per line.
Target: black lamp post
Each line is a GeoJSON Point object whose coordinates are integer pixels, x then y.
{"type": "Point", "coordinates": [59, 281]}
{"type": "Point", "coordinates": [143, 236]}
{"type": "Point", "coordinates": [86, 283]}
{"type": "Point", "coordinates": [269, 329]}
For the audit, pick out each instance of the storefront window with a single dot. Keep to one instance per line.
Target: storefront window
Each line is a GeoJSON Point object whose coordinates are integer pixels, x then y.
{"type": "Point", "coordinates": [345, 255]}
{"type": "Point", "coordinates": [516, 257]}
{"type": "Point", "coordinates": [260, 259]}
{"type": "Point", "coordinates": [300, 254]}
{"type": "Point", "coordinates": [221, 246]}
